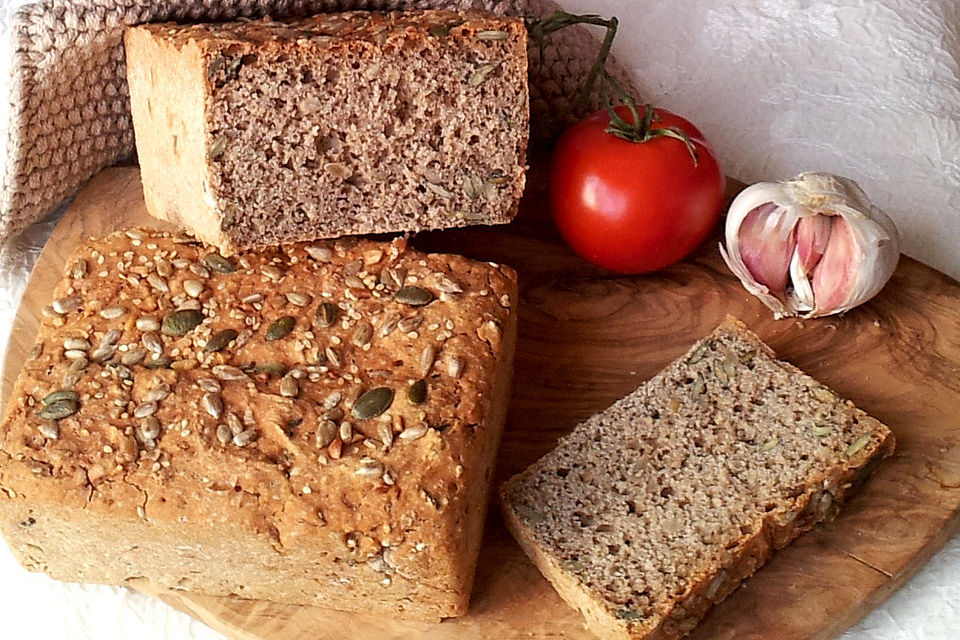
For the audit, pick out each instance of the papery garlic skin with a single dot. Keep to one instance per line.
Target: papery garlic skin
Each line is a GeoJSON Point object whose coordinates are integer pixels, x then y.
{"type": "Point", "coordinates": [811, 246]}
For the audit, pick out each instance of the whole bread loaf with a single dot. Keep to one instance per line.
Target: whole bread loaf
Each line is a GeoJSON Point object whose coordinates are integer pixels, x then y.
{"type": "Point", "coordinates": [313, 424]}
{"type": "Point", "coordinates": [262, 132]}
{"type": "Point", "coordinates": [656, 508]}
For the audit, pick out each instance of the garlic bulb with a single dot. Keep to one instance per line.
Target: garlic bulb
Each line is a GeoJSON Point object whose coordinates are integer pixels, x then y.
{"type": "Point", "coordinates": [811, 246]}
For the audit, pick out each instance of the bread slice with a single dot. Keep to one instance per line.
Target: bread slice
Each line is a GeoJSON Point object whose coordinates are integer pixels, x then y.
{"type": "Point", "coordinates": [658, 507]}
{"type": "Point", "coordinates": [263, 132]}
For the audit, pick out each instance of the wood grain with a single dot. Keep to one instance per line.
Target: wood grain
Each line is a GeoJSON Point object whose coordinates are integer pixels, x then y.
{"type": "Point", "coordinates": [588, 337]}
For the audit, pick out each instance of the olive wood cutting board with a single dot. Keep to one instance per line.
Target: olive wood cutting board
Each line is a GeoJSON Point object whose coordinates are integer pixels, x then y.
{"type": "Point", "coordinates": [588, 337]}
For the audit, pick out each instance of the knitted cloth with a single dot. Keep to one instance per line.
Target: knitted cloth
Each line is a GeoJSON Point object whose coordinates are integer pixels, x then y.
{"type": "Point", "coordinates": [69, 113]}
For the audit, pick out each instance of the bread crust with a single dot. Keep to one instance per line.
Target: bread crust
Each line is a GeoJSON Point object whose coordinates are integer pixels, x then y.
{"type": "Point", "coordinates": [383, 516]}
{"type": "Point", "coordinates": [818, 501]}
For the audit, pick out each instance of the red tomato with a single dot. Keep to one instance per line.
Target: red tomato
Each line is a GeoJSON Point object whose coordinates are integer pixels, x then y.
{"type": "Point", "coordinates": [634, 207]}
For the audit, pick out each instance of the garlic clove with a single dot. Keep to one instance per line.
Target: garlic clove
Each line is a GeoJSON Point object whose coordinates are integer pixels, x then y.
{"type": "Point", "coordinates": [811, 246]}
{"type": "Point", "coordinates": [766, 247]}
{"type": "Point", "coordinates": [813, 234]}
{"type": "Point", "coordinates": [834, 279]}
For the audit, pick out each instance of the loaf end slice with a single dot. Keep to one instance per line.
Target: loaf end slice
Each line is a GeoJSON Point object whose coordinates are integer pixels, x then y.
{"type": "Point", "coordinates": [264, 132]}
{"type": "Point", "coordinates": [311, 424]}
{"type": "Point", "coordinates": [653, 510]}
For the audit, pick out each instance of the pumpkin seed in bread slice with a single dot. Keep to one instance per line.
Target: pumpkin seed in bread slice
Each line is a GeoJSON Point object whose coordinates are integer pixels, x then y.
{"type": "Point", "coordinates": [658, 507]}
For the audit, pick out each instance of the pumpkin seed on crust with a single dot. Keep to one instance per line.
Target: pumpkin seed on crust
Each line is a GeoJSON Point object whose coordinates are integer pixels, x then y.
{"type": "Point", "coordinates": [372, 403]}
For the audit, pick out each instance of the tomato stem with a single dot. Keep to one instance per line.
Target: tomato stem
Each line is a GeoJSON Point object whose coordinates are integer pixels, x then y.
{"type": "Point", "coordinates": [641, 129]}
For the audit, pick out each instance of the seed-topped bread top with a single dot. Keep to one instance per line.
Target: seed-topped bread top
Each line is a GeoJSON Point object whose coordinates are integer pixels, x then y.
{"type": "Point", "coordinates": [329, 389]}
{"type": "Point", "coordinates": [326, 30]}
{"type": "Point", "coordinates": [649, 508]}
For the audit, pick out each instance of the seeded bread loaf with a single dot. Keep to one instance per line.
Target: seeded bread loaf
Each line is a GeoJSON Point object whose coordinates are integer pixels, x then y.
{"type": "Point", "coordinates": [311, 424]}
{"type": "Point", "coordinates": [656, 508]}
{"type": "Point", "coordinates": [263, 132]}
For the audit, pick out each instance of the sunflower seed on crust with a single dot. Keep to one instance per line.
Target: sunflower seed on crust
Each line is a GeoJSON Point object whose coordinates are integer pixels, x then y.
{"type": "Point", "coordinates": [326, 431]}
{"type": "Point", "coordinates": [410, 323]}
{"type": "Point", "coordinates": [332, 356]}
{"type": "Point", "coordinates": [152, 342]}
{"type": "Point", "coordinates": [271, 271]}
{"type": "Point", "coordinates": [132, 357]}
{"type": "Point", "coordinates": [227, 372]}
{"type": "Point", "coordinates": [455, 366]}
{"type": "Point", "coordinates": [78, 270]}
{"type": "Point", "coordinates": [149, 429]}
{"type": "Point", "coordinates": [362, 334]}
{"type": "Point", "coordinates": [103, 353]}
{"type": "Point", "coordinates": [157, 394]}
{"type": "Point", "coordinates": [49, 429]}
{"type": "Point", "coordinates": [235, 424]}
{"type": "Point", "coordinates": [326, 314]}
{"type": "Point", "coordinates": [388, 324]}
{"type": "Point", "coordinates": [319, 253]}
{"type": "Point", "coordinates": [145, 409]}
{"type": "Point", "coordinates": [193, 288]}
{"type": "Point", "coordinates": [385, 434]}
{"type": "Point", "coordinates": [223, 434]}
{"type": "Point", "coordinates": [81, 344]}
{"type": "Point", "coordinates": [200, 270]}
{"type": "Point", "coordinates": [332, 400]}
{"type": "Point", "coordinates": [298, 299]}
{"type": "Point", "coordinates": [427, 358]}
{"type": "Point", "coordinates": [413, 296]}
{"type": "Point", "coordinates": [354, 282]}
{"type": "Point", "coordinates": [446, 285]}
{"type": "Point", "coordinates": [244, 438]}
{"type": "Point", "coordinates": [158, 283]}
{"type": "Point", "coordinates": [63, 306]}
{"type": "Point", "coordinates": [289, 387]}
{"type": "Point", "coordinates": [414, 432]}
{"type": "Point", "coordinates": [213, 404]}
{"type": "Point", "coordinates": [146, 323]}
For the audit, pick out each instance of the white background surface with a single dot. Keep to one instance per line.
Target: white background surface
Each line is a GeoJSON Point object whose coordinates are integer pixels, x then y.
{"type": "Point", "coordinates": [869, 89]}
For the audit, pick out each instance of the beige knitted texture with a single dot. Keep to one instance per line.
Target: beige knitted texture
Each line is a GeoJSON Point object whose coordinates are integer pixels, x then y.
{"type": "Point", "coordinates": [69, 113]}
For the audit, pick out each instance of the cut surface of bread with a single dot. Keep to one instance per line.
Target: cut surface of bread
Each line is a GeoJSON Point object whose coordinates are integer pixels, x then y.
{"type": "Point", "coordinates": [262, 132]}
{"type": "Point", "coordinates": [658, 507]}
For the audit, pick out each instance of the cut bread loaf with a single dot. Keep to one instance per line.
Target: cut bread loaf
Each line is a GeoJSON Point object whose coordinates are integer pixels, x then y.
{"type": "Point", "coordinates": [310, 424]}
{"type": "Point", "coordinates": [656, 508]}
{"type": "Point", "coordinates": [258, 133]}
